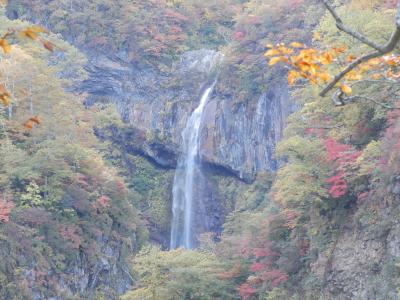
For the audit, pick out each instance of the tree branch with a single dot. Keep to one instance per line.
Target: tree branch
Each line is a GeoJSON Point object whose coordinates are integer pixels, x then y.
{"type": "Point", "coordinates": [355, 98]}
{"type": "Point", "coordinates": [341, 26]}
{"type": "Point", "coordinates": [339, 100]}
{"type": "Point", "coordinates": [350, 67]}
{"type": "Point", "coordinates": [389, 47]}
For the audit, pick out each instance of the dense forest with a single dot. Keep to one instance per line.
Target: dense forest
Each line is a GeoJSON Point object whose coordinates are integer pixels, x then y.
{"type": "Point", "coordinates": [199, 149]}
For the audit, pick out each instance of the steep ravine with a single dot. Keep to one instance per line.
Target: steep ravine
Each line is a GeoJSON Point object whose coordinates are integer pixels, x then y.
{"type": "Point", "coordinates": [236, 140]}
{"type": "Point", "coordinates": [239, 137]}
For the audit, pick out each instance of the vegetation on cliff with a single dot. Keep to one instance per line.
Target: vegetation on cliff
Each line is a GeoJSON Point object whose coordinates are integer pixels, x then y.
{"type": "Point", "coordinates": [62, 205]}
{"type": "Point", "coordinates": [75, 208]}
{"type": "Point", "coordinates": [341, 159]}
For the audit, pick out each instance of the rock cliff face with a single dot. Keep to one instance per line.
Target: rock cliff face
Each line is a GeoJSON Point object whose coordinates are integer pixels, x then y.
{"type": "Point", "coordinates": [238, 137]}
{"type": "Point", "coordinates": [362, 262]}
{"type": "Point", "coordinates": [242, 137]}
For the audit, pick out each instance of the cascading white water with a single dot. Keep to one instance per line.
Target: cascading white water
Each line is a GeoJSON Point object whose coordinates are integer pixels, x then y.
{"type": "Point", "coordinates": [183, 189]}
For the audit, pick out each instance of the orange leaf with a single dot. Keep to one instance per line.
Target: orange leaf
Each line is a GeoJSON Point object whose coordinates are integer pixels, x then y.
{"type": "Point", "coordinates": [304, 75]}
{"type": "Point", "coordinates": [389, 73]}
{"type": "Point", "coordinates": [346, 89]}
{"type": "Point", "coordinates": [374, 62]}
{"type": "Point", "coordinates": [313, 80]}
{"type": "Point", "coordinates": [35, 119]}
{"type": "Point", "coordinates": [48, 45]}
{"type": "Point", "coordinates": [350, 58]}
{"type": "Point", "coordinates": [28, 125]}
{"type": "Point", "coordinates": [2, 88]}
{"type": "Point", "coordinates": [339, 50]}
{"type": "Point", "coordinates": [29, 33]}
{"type": "Point", "coordinates": [297, 45]}
{"type": "Point", "coordinates": [5, 98]}
{"type": "Point", "coordinates": [377, 76]}
{"type": "Point", "coordinates": [292, 76]}
{"type": "Point", "coordinates": [285, 50]}
{"type": "Point", "coordinates": [326, 58]}
{"type": "Point", "coordinates": [324, 76]}
{"type": "Point", "coordinates": [272, 52]}
{"type": "Point", "coordinates": [391, 62]}
{"type": "Point", "coordinates": [316, 36]}
{"type": "Point", "coordinates": [5, 45]}
{"type": "Point", "coordinates": [275, 60]}
{"type": "Point", "coordinates": [37, 29]}
{"type": "Point", "coordinates": [303, 66]}
{"type": "Point", "coordinates": [353, 75]}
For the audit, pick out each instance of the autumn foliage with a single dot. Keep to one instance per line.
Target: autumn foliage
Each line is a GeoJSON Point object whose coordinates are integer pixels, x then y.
{"type": "Point", "coordinates": [342, 157]}
{"type": "Point", "coordinates": [312, 65]}
{"type": "Point", "coordinates": [5, 210]}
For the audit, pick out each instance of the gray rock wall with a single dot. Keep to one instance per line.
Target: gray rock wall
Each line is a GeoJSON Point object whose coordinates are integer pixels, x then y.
{"type": "Point", "coordinates": [238, 137]}
{"type": "Point", "coordinates": [363, 262]}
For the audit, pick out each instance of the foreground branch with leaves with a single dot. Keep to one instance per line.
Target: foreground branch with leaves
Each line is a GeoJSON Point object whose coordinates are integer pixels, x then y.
{"type": "Point", "coordinates": [312, 64]}
{"type": "Point", "coordinates": [381, 50]}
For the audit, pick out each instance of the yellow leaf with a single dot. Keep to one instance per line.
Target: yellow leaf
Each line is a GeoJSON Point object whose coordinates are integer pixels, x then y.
{"type": "Point", "coordinates": [374, 62]}
{"type": "Point", "coordinates": [316, 36]}
{"type": "Point", "coordinates": [5, 98]}
{"type": "Point", "coordinates": [391, 62]}
{"type": "Point", "coordinates": [325, 59]}
{"type": "Point", "coordinates": [5, 45]}
{"type": "Point", "coordinates": [292, 76]}
{"type": "Point", "coordinates": [353, 75]}
{"type": "Point", "coordinates": [304, 75]}
{"type": "Point", "coordinates": [363, 68]}
{"type": "Point", "coordinates": [295, 58]}
{"type": "Point", "coordinates": [285, 50]}
{"type": "Point", "coordinates": [313, 80]}
{"type": "Point", "coordinates": [324, 76]}
{"type": "Point", "coordinates": [272, 52]}
{"type": "Point", "coordinates": [303, 66]}
{"type": "Point", "coordinates": [307, 52]}
{"type": "Point", "coordinates": [275, 60]}
{"type": "Point", "coordinates": [339, 50]}
{"type": "Point", "coordinates": [297, 45]}
{"type": "Point", "coordinates": [313, 70]}
{"type": "Point", "coordinates": [37, 29]}
{"type": "Point", "coordinates": [376, 76]}
{"type": "Point", "coordinates": [29, 33]}
{"type": "Point", "coordinates": [346, 89]}
{"type": "Point", "coordinates": [350, 58]}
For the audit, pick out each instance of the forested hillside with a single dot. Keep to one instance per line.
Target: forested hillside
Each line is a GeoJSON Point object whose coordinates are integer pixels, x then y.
{"type": "Point", "coordinates": [187, 149]}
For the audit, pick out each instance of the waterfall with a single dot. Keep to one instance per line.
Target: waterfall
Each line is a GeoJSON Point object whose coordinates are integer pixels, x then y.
{"type": "Point", "coordinates": [186, 173]}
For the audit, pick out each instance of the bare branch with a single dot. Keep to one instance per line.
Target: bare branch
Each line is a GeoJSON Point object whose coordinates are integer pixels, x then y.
{"type": "Point", "coordinates": [355, 98]}
{"type": "Point", "coordinates": [350, 67]}
{"type": "Point", "coordinates": [339, 99]}
{"type": "Point", "coordinates": [389, 47]}
{"type": "Point", "coordinates": [341, 26]}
